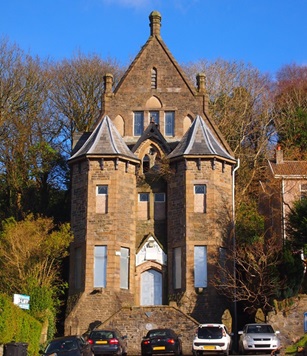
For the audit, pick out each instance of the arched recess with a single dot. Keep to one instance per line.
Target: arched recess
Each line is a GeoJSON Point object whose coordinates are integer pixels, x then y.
{"type": "Point", "coordinates": [119, 124]}
{"type": "Point", "coordinates": [153, 103]}
{"type": "Point", "coordinates": [150, 154]}
{"type": "Point", "coordinates": [187, 121]}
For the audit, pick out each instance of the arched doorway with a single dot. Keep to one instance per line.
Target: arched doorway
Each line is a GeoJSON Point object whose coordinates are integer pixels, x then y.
{"type": "Point", "coordinates": [151, 287]}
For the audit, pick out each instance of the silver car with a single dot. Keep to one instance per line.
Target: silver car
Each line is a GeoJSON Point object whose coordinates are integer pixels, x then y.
{"type": "Point", "coordinates": [258, 337]}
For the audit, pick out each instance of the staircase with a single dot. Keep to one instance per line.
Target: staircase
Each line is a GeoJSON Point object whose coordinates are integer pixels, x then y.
{"type": "Point", "coordinates": [136, 321]}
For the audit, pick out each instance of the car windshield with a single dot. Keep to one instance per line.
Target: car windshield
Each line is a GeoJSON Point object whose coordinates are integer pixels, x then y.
{"type": "Point", "coordinates": [62, 345]}
{"type": "Point", "coordinates": [210, 332]}
{"type": "Point", "coordinates": [259, 329]}
{"type": "Point", "coordinates": [102, 334]}
{"type": "Point", "coordinates": [155, 333]}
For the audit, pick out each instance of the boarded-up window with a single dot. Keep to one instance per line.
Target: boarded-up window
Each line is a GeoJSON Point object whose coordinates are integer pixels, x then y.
{"type": "Point", "coordinates": [200, 267]}
{"type": "Point", "coordinates": [159, 207]}
{"type": "Point", "coordinates": [124, 267]}
{"type": "Point", "coordinates": [143, 206]}
{"type": "Point", "coordinates": [101, 199]}
{"type": "Point", "coordinates": [177, 268]}
{"type": "Point", "coordinates": [200, 191]}
{"type": "Point", "coordinates": [100, 266]}
{"type": "Point", "coordinates": [78, 267]}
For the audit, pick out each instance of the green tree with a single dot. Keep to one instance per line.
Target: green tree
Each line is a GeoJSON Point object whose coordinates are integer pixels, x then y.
{"type": "Point", "coordinates": [31, 255]}
{"type": "Point", "coordinates": [290, 110]}
{"type": "Point", "coordinates": [31, 160]}
{"type": "Point", "coordinates": [297, 224]}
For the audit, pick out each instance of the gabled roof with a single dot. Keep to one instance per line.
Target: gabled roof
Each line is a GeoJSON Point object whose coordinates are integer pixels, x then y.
{"type": "Point", "coordinates": [152, 132]}
{"type": "Point", "coordinates": [199, 141]}
{"type": "Point", "coordinates": [156, 36]}
{"type": "Point", "coordinates": [289, 169]}
{"type": "Point", "coordinates": [105, 140]}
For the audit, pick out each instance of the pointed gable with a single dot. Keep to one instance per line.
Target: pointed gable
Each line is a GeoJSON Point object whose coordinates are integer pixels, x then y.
{"type": "Point", "coordinates": [199, 141]}
{"type": "Point", "coordinates": [153, 133]}
{"type": "Point", "coordinates": [156, 45]}
{"type": "Point", "coordinates": [105, 140]}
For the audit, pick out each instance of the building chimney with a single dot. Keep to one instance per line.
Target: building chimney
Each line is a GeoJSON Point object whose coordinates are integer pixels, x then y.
{"type": "Point", "coordinates": [108, 83]}
{"type": "Point", "coordinates": [279, 156]}
{"type": "Point", "coordinates": [201, 82]}
{"type": "Point", "coordinates": [155, 23]}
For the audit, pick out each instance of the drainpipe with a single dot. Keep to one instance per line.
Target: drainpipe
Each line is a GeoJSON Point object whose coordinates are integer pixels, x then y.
{"type": "Point", "coordinates": [235, 319]}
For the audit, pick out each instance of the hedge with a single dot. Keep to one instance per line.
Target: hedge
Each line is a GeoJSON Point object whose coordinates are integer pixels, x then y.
{"type": "Point", "coordinates": [16, 325]}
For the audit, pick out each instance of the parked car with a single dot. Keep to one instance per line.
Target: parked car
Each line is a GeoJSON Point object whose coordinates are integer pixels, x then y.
{"type": "Point", "coordinates": [211, 339]}
{"type": "Point", "coordinates": [68, 345]}
{"type": "Point", "coordinates": [108, 342]}
{"type": "Point", "coordinates": [161, 341]}
{"type": "Point", "coordinates": [258, 337]}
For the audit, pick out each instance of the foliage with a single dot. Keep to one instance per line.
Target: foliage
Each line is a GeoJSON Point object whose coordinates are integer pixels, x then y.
{"type": "Point", "coordinates": [249, 223]}
{"type": "Point", "coordinates": [33, 268]}
{"type": "Point", "coordinates": [290, 109]}
{"type": "Point", "coordinates": [292, 268]}
{"type": "Point", "coordinates": [18, 326]}
{"type": "Point", "coordinates": [297, 224]}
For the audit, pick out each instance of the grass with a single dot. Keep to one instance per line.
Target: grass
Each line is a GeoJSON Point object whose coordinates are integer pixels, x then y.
{"type": "Point", "coordinates": [292, 348]}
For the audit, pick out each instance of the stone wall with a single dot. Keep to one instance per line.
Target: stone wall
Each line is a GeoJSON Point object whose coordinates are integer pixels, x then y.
{"type": "Point", "coordinates": [290, 322]}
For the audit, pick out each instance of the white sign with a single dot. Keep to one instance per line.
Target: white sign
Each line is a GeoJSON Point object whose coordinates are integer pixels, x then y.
{"type": "Point", "coordinates": [23, 301]}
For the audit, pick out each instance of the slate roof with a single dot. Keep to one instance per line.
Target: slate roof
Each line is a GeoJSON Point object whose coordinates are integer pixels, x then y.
{"type": "Point", "coordinates": [105, 140]}
{"type": "Point", "coordinates": [199, 141]}
{"type": "Point", "coordinates": [289, 169]}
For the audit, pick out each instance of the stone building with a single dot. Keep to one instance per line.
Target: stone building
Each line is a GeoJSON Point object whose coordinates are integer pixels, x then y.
{"type": "Point", "coordinates": [285, 183]}
{"type": "Point", "coordinates": [152, 197]}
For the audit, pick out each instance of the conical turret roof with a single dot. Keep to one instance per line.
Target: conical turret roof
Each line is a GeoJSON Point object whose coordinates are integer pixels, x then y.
{"type": "Point", "coordinates": [105, 140]}
{"type": "Point", "coordinates": [199, 140]}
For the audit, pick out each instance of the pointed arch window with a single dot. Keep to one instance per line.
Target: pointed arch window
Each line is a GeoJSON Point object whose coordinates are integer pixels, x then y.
{"type": "Point", "coordinates": [153, 78]}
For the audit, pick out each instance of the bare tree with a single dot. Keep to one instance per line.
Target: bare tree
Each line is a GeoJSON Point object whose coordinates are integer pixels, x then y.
{"type": "Point", "coordinates": [77, 90]}
{"type": "Point", "coordinates": [240, 104]}
{"type": "Point", "coordinates": [249, 274]}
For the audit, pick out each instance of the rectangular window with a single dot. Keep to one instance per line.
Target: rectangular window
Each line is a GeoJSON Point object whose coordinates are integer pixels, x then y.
{"type": "Point", "coordinates": [169, 123]}
{"type": "Point", "coordinates": [159, 197]}
{"type": "Point", "coordinates": [200, 199]}
{"type": "Point", "coordinates": [154, 117]}
{"type": "Point", "coordinates": [303, 191]}
{"type": "Point", "coordinates": [101, 199]}
{"type": "Point", "coordinates": [143, 206]}
{"type": "Point", "coordinates": [177, 268]}
{"type": "Point", "coordinates": [78, 268]}
{"type": "Point", "coordinates": [144, 197]}
{"type": "Point", "coordinates": [138, 123]}
{"type": "Point", "coordinates": [124, 267]}
{"type": "Point", "coordinates": [100, 266]}
{"type": "Point", "coordinates": [200, 267]}
{"type": "Point", "coordinates": [159, 206]}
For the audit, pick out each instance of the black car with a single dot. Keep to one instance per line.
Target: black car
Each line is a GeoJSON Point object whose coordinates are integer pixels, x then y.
{"type": "Point", "coordinates": [161, 341]}
{"type": "Point", "coordinates": [68, 345]}
{"type": "Point", "coordinates": [108, 342]}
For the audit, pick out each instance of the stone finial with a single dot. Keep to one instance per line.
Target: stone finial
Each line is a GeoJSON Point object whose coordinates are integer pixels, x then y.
{"type": "Point", "coordinates": [155, 23]}
{"type": "Point", "coordinates": [201, 82]}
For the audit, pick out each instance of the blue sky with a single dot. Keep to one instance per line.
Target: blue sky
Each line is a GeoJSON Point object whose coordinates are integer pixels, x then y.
{"type": "Point", "coordinates": [265, 33]}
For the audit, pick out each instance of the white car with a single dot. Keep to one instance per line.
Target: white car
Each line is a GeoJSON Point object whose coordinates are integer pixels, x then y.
{"type": "Point", "coordinates": [211, 339]}
{"type": "Point", "coordinates": [258, 337]}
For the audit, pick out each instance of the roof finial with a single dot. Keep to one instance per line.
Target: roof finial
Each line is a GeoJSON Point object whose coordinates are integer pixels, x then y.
{"type": "Point", "coordinates": [155, 23]}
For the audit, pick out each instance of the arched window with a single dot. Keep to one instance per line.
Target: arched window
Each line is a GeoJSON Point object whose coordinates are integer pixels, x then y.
{"type": "Point", "coordinates": [146, 163]}
{"type": "Point", "coordinates": [153, 78]}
